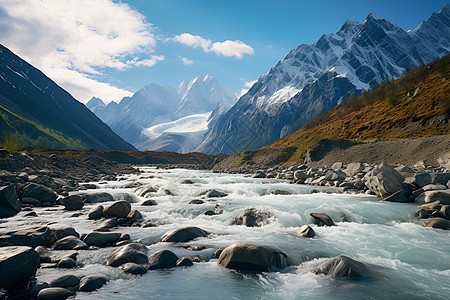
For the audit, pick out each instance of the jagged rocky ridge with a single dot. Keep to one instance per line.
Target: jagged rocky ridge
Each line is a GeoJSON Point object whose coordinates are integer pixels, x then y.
{"type": "Point", "coordinates": [314, 78]}
{"type": "Point", "coordinates": [201, 99]}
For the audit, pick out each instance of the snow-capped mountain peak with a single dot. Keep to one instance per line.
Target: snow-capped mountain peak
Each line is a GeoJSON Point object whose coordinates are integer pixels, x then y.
{"type": "Point", "coordinates": [313, 78]}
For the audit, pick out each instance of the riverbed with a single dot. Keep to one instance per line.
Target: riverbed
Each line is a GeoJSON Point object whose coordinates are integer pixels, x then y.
{"type": "Point", "coordinates": [406, 260]}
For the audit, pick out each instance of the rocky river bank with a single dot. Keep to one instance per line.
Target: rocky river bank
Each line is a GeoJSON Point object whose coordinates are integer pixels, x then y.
{"type": "Point", "coordinates": [111, 202]}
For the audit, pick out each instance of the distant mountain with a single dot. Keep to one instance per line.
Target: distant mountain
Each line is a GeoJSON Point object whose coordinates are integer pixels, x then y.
{"type": "Point", "coordinates": [139, 119]}
{"type": "Point", "coordinates": [36, 112]}
{"type": "Point", "coordinates": [311, 79]}
{"type": "Point", "coordinates": [416, 105]}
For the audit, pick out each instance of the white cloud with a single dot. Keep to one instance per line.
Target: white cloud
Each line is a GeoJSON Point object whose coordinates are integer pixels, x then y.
{"type": "Point", "coordinates": [186, 61]}
{"type": "Point", "coordinates": [247, 86]}
{"type": "Point", "coordinates": [74, 41]}
{"type": "Point", "coordinates": [227, 48]}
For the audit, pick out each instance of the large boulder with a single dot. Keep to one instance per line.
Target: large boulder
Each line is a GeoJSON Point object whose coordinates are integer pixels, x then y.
{"type": "Point", "coordinates": [398, 196]}
{"type": "Point", "coordinates": [74, 202]}
{"type": "Point", "coordinates": [101, 239]}
{"type": "Point", "coordinates": [92, 283]}
{"type": "Point", "coordinates": [65, 281]}
{"type": "Point", "coordinates": [39, 192]}
{"type": "Point", "coordinates": [98, 197]}
{"type": "Point", "coordinates": [442, 196]}
{"type": "Point", "coordinates": [9, 202]}
{"type": "Point", "coordinates": [130, 253]}
{"type": "Point", "coordinates": [132, 268]}
{"type": "Point", "coordinates": [305, 231]}
{"type": "Point", "coordinates": [353, 169]}
{"type": "Point", "coordinates": [119, 209]}
{"type": "Point", "coordinates": [185, 234]}
{"type": "Point", "coordinates": [96, 213]}
{"type": "Point", "coordinates": [384, 180]}
{"type": "Point", "coordinates": [342, 266]}
{"type": "Point", "coordinates": [322, 219]}
{"type": "Point", "coordinates": [62, 232]}
{"type": "Point", "coordinates": [250, 257]}
{"type": "Point", "coordinates": [252, 217]}
{"type": "Point", "coordinates": [162, 259]}
{"type": "Point", "coordinates": [70, 243]}
{"type": "Point", "coordinates": [54, 293]}
{"type": "Point", "coordinates": [17, 264]}
{"type": "Point", "coordinates": [32, 237]}
{"type": "Point", "coordinates": [439, 223]}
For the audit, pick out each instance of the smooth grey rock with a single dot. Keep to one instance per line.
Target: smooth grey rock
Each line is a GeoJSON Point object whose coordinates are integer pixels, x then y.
{"type": "Point", "coordinates": [250, 257]}
{"type": "Point", "coordinates": [61, 232]}
{"type": "Point", "coordinates": [33, 237]}
{"type": "Point", "coordinates": [162, 259]}
{"type": "Point", "coordinates": [149, 202]}
{"type": "Point", "coordinates": [39, 192]}
{"type": "Point", "coordinates": [74, 202]}
{"type": "Point", "coordinates": [184, 262]}
{"type": "Point", "coordinates": [119, 209]}
{"type": "Point", "coordinates": [70, 243]}
{"type": "Point", "coordinates": [305, 231]}
{"type": "Point", "coordinates": [67, 263]}
{"type": "Point", "coordinates": [280, 192]}
{"type": "Point", "coordinates": [185, 234]}
{"type": "Point", "coordinates": [92, 283]}
{"type": "Point", "coordinates": [17, 264]}
{"type": "Point", "coordinates": [65, 281]}
{"type": "Point", "coordinates": [322, 219]}
{"type": "Point", "coordinates": [196, 201]}
{"type": "Point", "coordinates": [109, 223]}
{"type": "Point", "coordinates": [342, 266]}
{"type": "Point", "coordinates": [213, 194]}
{"type": "Point", "coordinates": [398, 196]}
{"type": "Point", "coordinates": [44, 254]}
{"type": "Point", "coordinates": [9, 202]}
{"type": "Point", "coordinates": [439, 223]}
{"type": "Point", "coordinates": [252, 217]}
{"type": "Point", "coordinates": [96, 213]}
{"type": "Point", "coordinates": [54, 293]}
{"type": "Point", "coordinates": [132, 268]}
{"type": "Point", "coordinates": [101, 239]}
{"type": "Point", "coordinates": [353, 169]}
{"type": "Point", "coordinates": [134, 215]}
{"type": "Point", "coordinates": [130, 253]}
{"type": "Point", "coordinates": [98, 198]}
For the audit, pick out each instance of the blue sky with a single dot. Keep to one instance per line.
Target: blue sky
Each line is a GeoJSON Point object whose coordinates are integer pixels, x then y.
{"type": "Point", "coordinates": [110, 49]}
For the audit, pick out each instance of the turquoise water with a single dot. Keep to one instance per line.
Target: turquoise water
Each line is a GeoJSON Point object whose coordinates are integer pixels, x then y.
{"type": "Point", "coordinates": [407, 261]}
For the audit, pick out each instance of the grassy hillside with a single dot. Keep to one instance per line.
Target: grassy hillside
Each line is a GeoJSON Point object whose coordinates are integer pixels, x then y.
{"type": "Point", "coordinates": [417, 104]}
{"type": "Point", "coordinates": [17, 132]}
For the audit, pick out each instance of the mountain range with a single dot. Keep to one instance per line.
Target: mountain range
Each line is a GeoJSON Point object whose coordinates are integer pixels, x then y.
{"type": "Point", "coordinates": [311, 79]}
{"type": "Point", "coordinates": [167, 118]}
{"type": "Point", "coordinates": [36, 112]}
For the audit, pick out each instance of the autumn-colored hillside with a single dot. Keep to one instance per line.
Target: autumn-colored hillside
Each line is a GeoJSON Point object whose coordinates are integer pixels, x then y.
{"type": "Point", "coordinates": [417, 104]}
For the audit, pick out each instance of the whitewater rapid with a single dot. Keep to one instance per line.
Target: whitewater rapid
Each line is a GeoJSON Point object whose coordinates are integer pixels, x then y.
{"type": "Point", "coordinates": [407, 260]}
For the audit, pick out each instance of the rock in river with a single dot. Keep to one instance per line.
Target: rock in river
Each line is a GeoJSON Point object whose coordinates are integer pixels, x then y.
{"type": "Point", "coordinates": [252, 217]}
{"type": "Point", "coordinates": [101, 239]}
{"type": "Point", "coordinates": [54, 293]}
{"type": "Point", "coordinates": [162, 259]}
{"type": "Point", "coordinates": [119, 209]}
{"type": "Point", "coordinates": [92, 283]}
{"type": "Point", "coordinates": [250, 257]}
{"type": "Point", "coordinates": [39, 192]}
{"type": "Point", "coordinates": [74, 202]}
{"type": "Point", "coordinates": [130, 253]}
{"type": "Point", "coordinates": [322, 219]}
{"type": "Point", "coordinates": [17, 264]}
{"type": "Point", "coordinates": [185, 234]}
{"type": "Point", "coordinates": [70, 243]}
{"type": "Point", "coordinates": [305, 231]}
{"type": "Point", "coordinates": [132, 268]}
{"type": "Point", "coordinates": [342, 266]}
